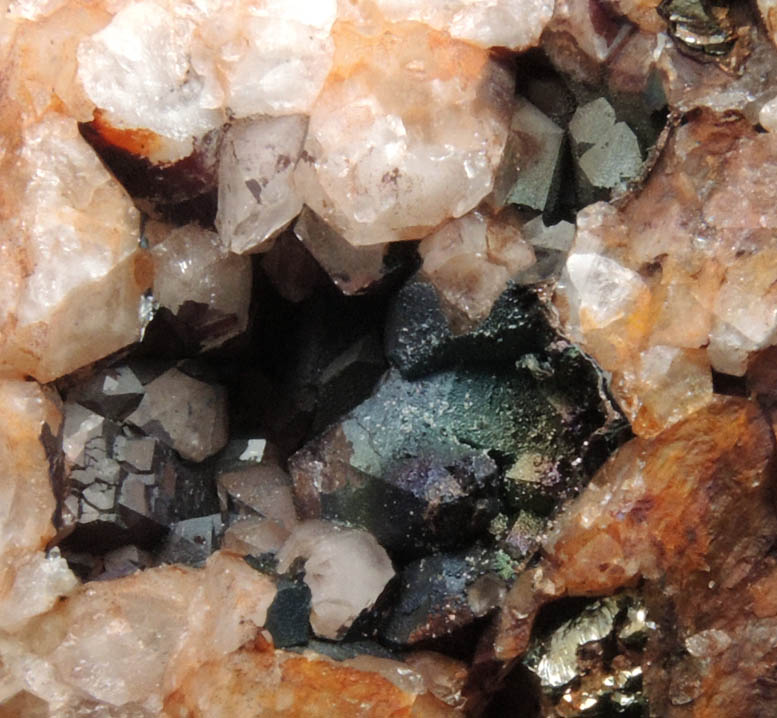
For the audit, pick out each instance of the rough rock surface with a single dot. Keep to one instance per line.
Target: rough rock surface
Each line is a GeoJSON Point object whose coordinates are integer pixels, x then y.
{"type": "Point", "coordinates": [280, 684]}
{"type": "Point", "coordinates": [689, 512]}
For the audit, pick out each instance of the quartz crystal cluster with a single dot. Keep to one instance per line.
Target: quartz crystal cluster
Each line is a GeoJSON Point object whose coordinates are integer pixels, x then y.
{"type": "Point", "coordinates": [388, 358]}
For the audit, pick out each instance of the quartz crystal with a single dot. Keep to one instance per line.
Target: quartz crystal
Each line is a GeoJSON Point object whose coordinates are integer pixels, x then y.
{"type": "Point", "coordinates": [205, 287]}
{"type": "Point", "coordinates": [346, 570]}
{"type": "Point", "coordinates": [32, 580]}
{"type": "Point", "coordinates": [471, 259]}
{"type": "Point", "coordinates": [406, 113]}
{"type": "Point", "coordinates": [661, 296]}
{"type": "Point", "coordinates": [388, 358]}
{"type": "Point", "coordinates": [71, 271]}
{"type": "Point", "coordinates": [257, 197]}
{"type": "Point", "coordinates": [185, 413]}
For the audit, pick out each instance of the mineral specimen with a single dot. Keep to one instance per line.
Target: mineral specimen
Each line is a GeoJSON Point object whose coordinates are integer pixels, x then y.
{"type": "Point", "coordinates": [690, 512]}
{"type": "Point", "coordinates": [71, 271]}
{"type": "Point", "coordinates": [204, 287]}
{"type": "Point", "coordinates": [345, 569]}
{"type": "Point", "coordinates": [352, 476]}
{"type": "Point", "coordinates": [187, 414]}
{"type": "Point", "coordinates": [406, 112]}
{"type": "Point", "coordinates": [659, 297]}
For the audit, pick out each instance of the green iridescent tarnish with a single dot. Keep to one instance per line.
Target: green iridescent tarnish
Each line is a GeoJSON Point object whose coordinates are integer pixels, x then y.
{"type": "Point", "coordinates": [697, 28]}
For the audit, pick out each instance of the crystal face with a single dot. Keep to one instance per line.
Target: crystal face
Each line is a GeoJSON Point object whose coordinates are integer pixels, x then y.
{"type": "Point", "coordinates": [387, 358]}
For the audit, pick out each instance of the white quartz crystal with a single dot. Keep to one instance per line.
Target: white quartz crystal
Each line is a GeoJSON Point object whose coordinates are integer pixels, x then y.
{"type": "Point", "coordinates": [345, 569]}
{"type": "Point", "coordinates": [30, 582]}
{"type": "Point", "coordinates": [180, 68]}
{"type": "Point", "coordinates": [130, 641]}
{"type": "Point", "coordinates": [71, 272]}
{"type": "Point", "coordinates": [470, 260]}
{"type": "Point", "coordinates": [408, 132]}
{"type": "Point", "coordinates": [139, 69]}
{"type": "Point", "coordinates": [257, 197]}
{"type": "Point", "coordinates": [516, 24]}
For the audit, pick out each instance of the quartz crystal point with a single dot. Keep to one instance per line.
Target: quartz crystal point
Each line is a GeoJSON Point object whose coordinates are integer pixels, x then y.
{"type": "Point", "coordinates": [205, 287]}
{"type": "Point", "coordinates": [71, 271]}
{"type": "Point", "coordinates": [663, 289]}
{"type": "Point", "coordinates": [206, 60]}
{"type": "Point", "coordinates": [408, 131]}
{"type": "Point", "coordinates": [352, 268]}
{"type": "Point", "coordinates": [691, 513]}
{"type": "Point", "coordinates": [187, 414]}
{"type": "Point", "coordinates": [131, 641]}
{"type": "Point", "coordinates": [470, 260]}
{"type": "Point", "coordinates": [257, 197]}
{"type": "Point", "coordinates": [514, 24]}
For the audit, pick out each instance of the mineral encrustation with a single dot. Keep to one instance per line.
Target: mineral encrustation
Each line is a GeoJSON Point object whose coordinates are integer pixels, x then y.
{"type": "Point", "coordinates": [388, 358]}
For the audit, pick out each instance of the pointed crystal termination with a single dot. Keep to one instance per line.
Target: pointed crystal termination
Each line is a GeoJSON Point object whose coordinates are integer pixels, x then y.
{"type": "Point", "coordinates": [471, 259]}
{"type": "Point", "coordinates": [514, 24]}
{"type": "Point", "coordinates": [377, 164]}
{"type": "Point", "coordinates": [257, 197]}
{"type": "Point", "coordinates": [187, 414]}
{"type": "Point", "coordinates": [345, 569]}
{"type": "Point", "coordinates": [660, 291]}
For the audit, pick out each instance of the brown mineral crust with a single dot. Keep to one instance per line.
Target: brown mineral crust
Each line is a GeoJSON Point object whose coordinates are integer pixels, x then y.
{"type": "Point", "coordinates": [149, 165]}
{"type": "Point", "coordinates": [691, 513]}
{"type": "Point", "coordinates": [251, 683]}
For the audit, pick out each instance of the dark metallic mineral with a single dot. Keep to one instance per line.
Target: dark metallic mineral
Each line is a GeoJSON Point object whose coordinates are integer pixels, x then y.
{"type": "Point", "coordinates": [443, 593]}
{"type": "Point", "coordinates": [289, 613]}
{"type": "Point", "coordinates": [427, 464]}
{"type": "Point", "coordinates": [419, 339]}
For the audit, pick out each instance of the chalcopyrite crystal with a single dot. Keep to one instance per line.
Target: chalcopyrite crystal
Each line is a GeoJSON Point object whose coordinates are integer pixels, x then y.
{"type": "Point", "coordinates": [388, 358]}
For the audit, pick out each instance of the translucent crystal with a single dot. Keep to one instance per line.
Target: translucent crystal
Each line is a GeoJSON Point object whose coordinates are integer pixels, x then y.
{"type": "Point", "coordinates": [257, 197]}
{"type": "Point", "coordinates": [346, 570]}
{"type": "Point", "coordinates": [202, 284]}
{"type": "Point", "coordinates": [71, 272]}
{"type": "Point", "coordinates": [185, 413]}
{"type": "Point", "coordinates": [398, 141]}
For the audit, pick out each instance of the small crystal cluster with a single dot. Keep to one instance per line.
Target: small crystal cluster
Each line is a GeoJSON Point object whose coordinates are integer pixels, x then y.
{"type": "Point", "coordinates": [318, 324]}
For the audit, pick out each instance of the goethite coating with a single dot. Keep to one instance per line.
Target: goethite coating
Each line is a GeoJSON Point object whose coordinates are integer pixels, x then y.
{"type": "Point", "coordinates": [357, 473]}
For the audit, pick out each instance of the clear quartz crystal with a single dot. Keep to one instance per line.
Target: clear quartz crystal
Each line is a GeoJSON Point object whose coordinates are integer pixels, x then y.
{"type": "Point", "coordinates": [257, 197]}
